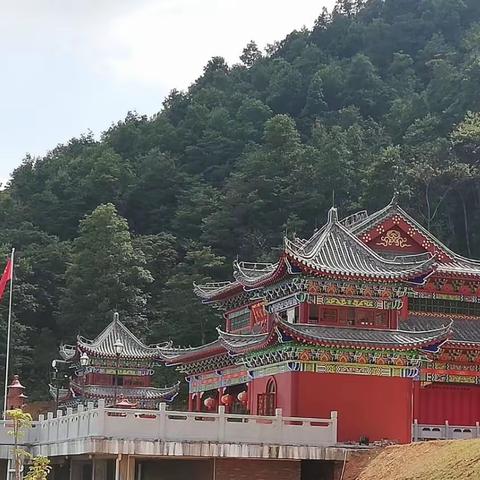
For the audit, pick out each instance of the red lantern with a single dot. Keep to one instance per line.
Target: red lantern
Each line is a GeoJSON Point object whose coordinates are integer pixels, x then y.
{"type": "Point", "coordinates": [227, 400]}
{"type": "Point", "coordinates": [243, 397]}
{"type": "Point", "coordinates": [209, 403]}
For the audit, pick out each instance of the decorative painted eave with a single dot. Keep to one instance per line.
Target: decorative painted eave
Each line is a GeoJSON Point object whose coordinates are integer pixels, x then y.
{"type": "Point", "coordinates": [465, 332]}
{"type": "Point", "coordinates": [349, 337]}
{"type": "Point", "coordinates": [177, 356]}
{"type": "Point", "coordinates": [448, 261]}
{"type": "Point", "coordinates": [334, 250]}
{"type": "Point", "coordinates": [103, 345]}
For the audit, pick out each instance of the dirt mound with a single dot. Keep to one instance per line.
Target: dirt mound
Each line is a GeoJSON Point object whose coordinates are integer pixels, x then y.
{"type": "Point", "coordinates": [445, 460]}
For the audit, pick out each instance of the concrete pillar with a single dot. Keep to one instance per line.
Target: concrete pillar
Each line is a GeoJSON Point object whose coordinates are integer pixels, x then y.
{"type": "Point", "coordinates": [125, 468]}
{"type": "Point", "coordinates": [76, 470]}
{"type": "Point", "coordinates": [99, 471]}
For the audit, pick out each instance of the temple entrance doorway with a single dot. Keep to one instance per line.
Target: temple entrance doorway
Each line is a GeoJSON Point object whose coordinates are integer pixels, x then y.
{"type": "Point", "coordinates": [267, 402]}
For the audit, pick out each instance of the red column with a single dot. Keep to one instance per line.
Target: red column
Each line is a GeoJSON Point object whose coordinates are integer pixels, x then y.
{"type": "Point", "coordinates": [404, 310]}
{"type": "Point", "coordinates": [219, 397]}
{"type": "Point", "coordinates": [190, 402]}
{"type": "Point", "coordinates": [198, 402]}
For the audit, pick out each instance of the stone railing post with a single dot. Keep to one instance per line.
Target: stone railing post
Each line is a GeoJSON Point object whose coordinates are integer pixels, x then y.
{"type": "Point", "coordinates": [68, 414]}
{"type": "Point", "coordinates": [101, 419]}
{"type": "Point", "coordinates": [90, 407]}
{"type": "Point", "coordinates": [41, 422]}
{"type": "Point", "coordinates": [334, 426]}
{"type": "Point", "coordinates": [80, 410]}
{"type": "Point", "coordinates": [49, 426]}
{"type": "Point", "coordinates": [221, 423]}
{"type": "Point", "coordinates": [58, 420]}
{"type": "Point", "coordinates": [415, 431]}
{"type": "Point", "coordinates": [477, 429]}
{"type": "Point", "coordinates": [278, 426]}
{"type": "Point", "coordinates": [162, 421]}
{"type": "Point", "coordinates": [447, 432]}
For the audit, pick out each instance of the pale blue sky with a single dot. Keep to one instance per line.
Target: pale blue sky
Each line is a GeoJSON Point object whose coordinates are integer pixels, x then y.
{"type": "Point", "coordinates": [73, 65]}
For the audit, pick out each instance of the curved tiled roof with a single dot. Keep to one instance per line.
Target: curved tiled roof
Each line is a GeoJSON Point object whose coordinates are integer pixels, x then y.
{"type": "Point", "coordinates": [215, 289]}
{"type": "Point", "coordinates": [175, 356]}
{"type": "Point", "coordinates": [335, 250]}
{"type": "Point", "coordinates": [248, 274]}
{"type": "Point", "coordinates": [464, 331]}
{"type": "Point", "coordinates": [451, 263]}
{"type": "Point", "coordinates": [365, 337]}
{"type": "Point", "coordinates": [132, 347]}
{"type": "Point", "coordinates": [241, 343]}
{"type": "Point", "coordinates": [374, 338]}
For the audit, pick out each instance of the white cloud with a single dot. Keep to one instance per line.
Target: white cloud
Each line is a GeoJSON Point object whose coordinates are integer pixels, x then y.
{"type": "Point", "coordinates": [168, 42]}
{"type": "Point", "coordinates": [68, 66]}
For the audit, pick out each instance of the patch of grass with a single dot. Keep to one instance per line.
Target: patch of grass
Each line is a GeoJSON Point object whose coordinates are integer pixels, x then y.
{"type": "Point", "coordinates": [443, 460]}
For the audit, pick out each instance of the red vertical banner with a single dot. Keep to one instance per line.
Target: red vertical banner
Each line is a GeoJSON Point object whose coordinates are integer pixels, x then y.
{"type": "Point", "coordinates": [259, 313]}
{"type": "Point", "coordinates": [6, 277]}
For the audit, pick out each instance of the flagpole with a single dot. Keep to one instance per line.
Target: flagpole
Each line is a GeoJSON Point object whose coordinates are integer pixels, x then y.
{"type": "Point", "coordinates": [9, 328]}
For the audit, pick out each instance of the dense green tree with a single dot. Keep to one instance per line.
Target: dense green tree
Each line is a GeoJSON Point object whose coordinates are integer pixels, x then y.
{"type": "Point", "coordinates": [106, 275]}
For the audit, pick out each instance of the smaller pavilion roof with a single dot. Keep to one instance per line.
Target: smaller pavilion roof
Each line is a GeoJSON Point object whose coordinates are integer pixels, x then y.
{"type": "Point", "coordinates": [103, 345]}
{"type": "Point", "coordinates": [131, 393]}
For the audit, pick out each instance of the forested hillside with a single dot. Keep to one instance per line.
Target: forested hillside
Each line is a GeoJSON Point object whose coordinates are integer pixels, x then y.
{"type": "Point", "coordinates": [378, 96]}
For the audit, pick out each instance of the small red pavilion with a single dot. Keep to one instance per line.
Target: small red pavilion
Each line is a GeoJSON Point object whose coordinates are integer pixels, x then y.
{"type": "Point", "coordinates": [116, 366]}
{"type": "Point", "coordinates": [372, 317]}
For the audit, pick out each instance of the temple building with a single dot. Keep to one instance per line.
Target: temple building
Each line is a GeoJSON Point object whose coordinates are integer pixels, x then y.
{"type": "Point", "coordinates": [372, 317]}
{"type": "Point", "coordinates": [116, 367]}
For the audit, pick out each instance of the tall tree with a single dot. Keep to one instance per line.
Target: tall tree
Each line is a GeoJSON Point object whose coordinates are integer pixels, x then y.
{"type": "Point", "coordinates": [106, 274]}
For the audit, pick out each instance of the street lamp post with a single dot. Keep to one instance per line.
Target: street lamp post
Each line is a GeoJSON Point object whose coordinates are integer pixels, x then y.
{"type": "Point", "coordinates": [118, 347]}
{"type": "Point", "coordinates": [84, 361]}
{"type": "Point", "coordinates": [56, 379]}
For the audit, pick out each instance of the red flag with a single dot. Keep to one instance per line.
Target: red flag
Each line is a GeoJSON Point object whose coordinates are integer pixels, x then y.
{"type": "Point", "coordinates": [6, 277]}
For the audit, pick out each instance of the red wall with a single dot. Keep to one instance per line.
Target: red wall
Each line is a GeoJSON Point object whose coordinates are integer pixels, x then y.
{"type": "Point", "coordinates": [286, 397]}
{"type": "Point", "coordinates": [375, 407]}
{"type": "Point", "coordinates": [436, 403]}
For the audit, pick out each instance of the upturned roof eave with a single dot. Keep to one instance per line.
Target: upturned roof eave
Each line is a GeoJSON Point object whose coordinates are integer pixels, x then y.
{"type": "Point", "coordinates": [437, 336]}
{"type": "Point", "coordinates": [424, 269]}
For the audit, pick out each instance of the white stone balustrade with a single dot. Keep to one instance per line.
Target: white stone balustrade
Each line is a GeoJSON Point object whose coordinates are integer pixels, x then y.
{"type": "Point", "coordinates": [446, 431]}
{"type": "Point", "coordinates": [107, 430]}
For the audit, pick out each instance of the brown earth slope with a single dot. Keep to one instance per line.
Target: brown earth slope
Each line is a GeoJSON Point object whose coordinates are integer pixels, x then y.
{"type": "Point", "coordinates": [446, 460]}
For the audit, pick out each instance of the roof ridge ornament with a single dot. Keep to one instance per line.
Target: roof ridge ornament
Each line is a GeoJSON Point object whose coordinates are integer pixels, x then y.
{"type": "Point", "coordinates": [333, 215]}
{"type": "Point", "coordinates": [394, 200]}
{"type": "Point", "coordinates": [116, 317]}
